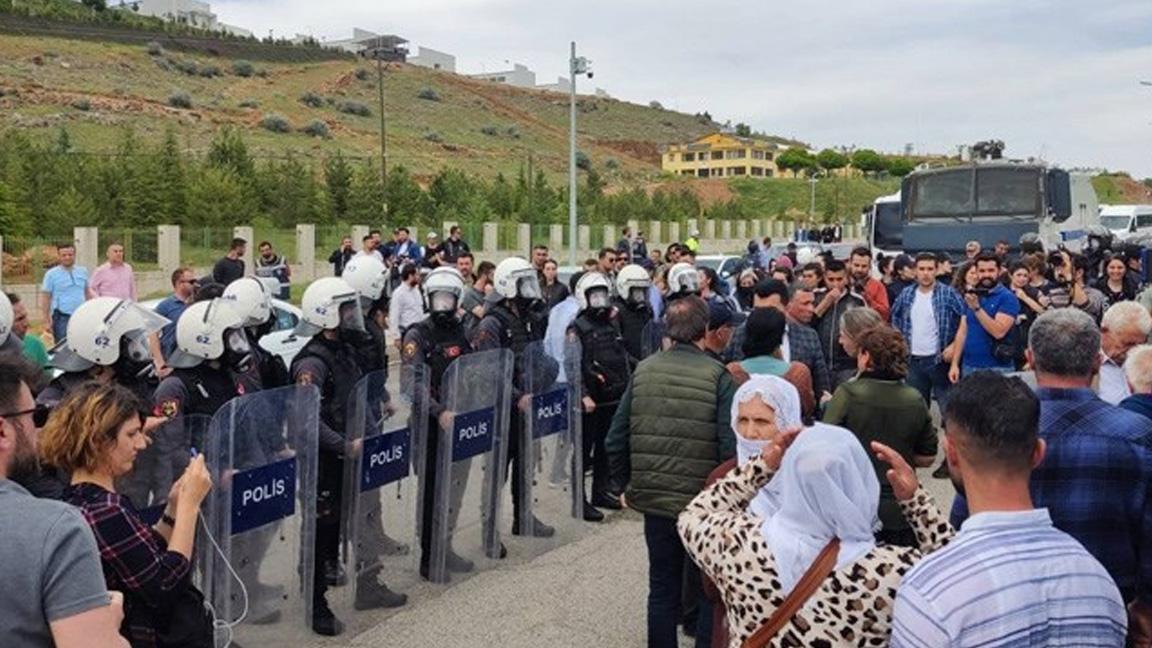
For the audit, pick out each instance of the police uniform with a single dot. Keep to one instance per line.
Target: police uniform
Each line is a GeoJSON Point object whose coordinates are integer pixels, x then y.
{"type": "Point", "coordinates": [634, 320]}
{"type": "Point", "coordinates": [435, 346]}
{"type": "Point", "coordinates": [330, 365]}
{"type": "Point", "coordinates": [606, 368]}
{"type": "Point", "coordinates": [503, 329]}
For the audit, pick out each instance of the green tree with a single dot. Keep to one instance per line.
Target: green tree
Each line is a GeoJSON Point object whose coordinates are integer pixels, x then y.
{"type": "Point", "coordinates": [868, 161]}
{"type": "Point", "coordinates": [8, 218]}
{"type": "Point", "coordinates": [900, 166]}
{"type": "Point", "coordinates": [228, 152]}
{"type": "Point", "coordinates": [288, 192]}
{"type": "Point", "coordinates": [366, 198]}
{"type": "Point", "coordinates": [795, 159]}
{"type": "Point", "coordinates": [219, 197]}
{"type": "Point", "coordinates": [407, 203]}
{"type": "Point", "coordinates": [743, 130]}
{"type": "Point", "coordinates": [337, 186]}
{"type": "Point", "coordinates": [173, 180]}
{"type": "Point", "coordinates": [831, 159]}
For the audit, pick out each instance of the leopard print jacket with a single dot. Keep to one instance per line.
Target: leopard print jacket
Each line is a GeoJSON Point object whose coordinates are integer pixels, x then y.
{"type": "Point", "coordinates": [853, 607]}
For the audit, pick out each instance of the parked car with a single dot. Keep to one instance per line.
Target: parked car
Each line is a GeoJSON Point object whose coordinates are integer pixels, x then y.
{"type": "Point", "coordinates": [280, 340]}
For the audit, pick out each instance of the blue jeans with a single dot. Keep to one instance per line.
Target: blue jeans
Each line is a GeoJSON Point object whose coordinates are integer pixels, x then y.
{"type": "Point", "coordinates": [967, 370]}
{"type": "Point", "coordinates": [666, 558]}
{"type": "Point", "coordinates": [59, 326]}
{"type": "Point", "coordinates": [930, 378]}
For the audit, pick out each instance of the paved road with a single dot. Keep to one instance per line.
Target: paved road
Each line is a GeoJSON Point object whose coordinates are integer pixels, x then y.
{"type": "Point", "coordinates": [590, 593]}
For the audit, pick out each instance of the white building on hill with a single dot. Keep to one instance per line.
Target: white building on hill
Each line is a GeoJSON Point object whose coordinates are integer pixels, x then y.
{"type": "Point", "coordinates": [194, 13]}
{"type": "Point", "coordinates": [430, 58]}
{"type": "Point", "coordinates": [519, 76]}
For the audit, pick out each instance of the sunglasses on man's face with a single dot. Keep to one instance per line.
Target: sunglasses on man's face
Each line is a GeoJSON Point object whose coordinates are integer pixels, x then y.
{"type": "Point", "coordinates": [39, 415]}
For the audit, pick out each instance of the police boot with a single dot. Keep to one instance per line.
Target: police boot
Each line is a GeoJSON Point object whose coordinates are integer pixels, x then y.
{"type": "Point", "coordinates": [592, 514]}
{"type": "Point", "coordinates": [534, 528]}
{"type": "Point", "coordinates": [606, 500]}
{"type": "Point", "coordinates": [323, 621]}
{"type": "Point", "coordinates": [334, 573]}
{"type": "Point", "coordinates": [372, 594]}
{"type": "Point", "coordinates": [457, 563]}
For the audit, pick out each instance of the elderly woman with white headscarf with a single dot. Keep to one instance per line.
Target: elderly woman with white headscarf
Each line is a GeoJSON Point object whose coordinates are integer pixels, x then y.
{"type": "Point", "coordinates": [798, 498]}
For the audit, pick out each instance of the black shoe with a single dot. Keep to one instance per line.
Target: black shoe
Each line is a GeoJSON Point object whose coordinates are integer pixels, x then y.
{"type": "Point", "coordinates": [371, 595]}
{"type": "Point", "coordinates": [426, 574]}
{"type": "Point", "coordinates": [606, 501]}
{"type": "Point", "coordinates": [393, 547]}
{"type": "Point", "coordinates": [592, 514]}
{"type": "Point", "coordinates": [334, 574]}
{"type": "Point", "coordinates": [941, 472]}
{"type": "Point", "coordinates": [459, 564]}
{"type": "Point", "coordinates": [323, 621]}
{"type": "Point", "coordinates": [538, 529]}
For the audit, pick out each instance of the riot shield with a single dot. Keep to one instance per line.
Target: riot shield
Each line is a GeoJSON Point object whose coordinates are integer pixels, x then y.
{"type": "Point", "coordinates": [381, 498]}
{"type": "Point", "coordinates": [259, 565]}
{"type": "Point", "coordinates": [464, 472]}
{"type": "Point", "coordinates": [159, 465]}
{"type": "Point", "coordinates": [653, 340]}
{"type": "Point", "coordinates": [552, 475]}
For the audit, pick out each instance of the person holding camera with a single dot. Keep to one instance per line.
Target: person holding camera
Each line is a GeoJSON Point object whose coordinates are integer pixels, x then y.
{"type": "Point", "coordinates": [1068, 285]}
{"type": "Point", "coordinates": [985, 339]}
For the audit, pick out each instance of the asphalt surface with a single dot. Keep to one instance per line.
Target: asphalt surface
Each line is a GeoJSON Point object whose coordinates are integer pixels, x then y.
{"type": "Point", "coordinates": [590, 592]}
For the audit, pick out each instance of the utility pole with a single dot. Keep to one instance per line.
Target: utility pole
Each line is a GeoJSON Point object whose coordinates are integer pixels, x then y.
{"type": "Point", "coordinates": [812, 200]}
{"type": "Point", "coordinates": [383, 135]}
{"type": "Point", "coordinates": [575, 66]}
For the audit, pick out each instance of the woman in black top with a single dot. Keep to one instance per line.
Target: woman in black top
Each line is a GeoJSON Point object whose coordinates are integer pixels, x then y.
{"type": "Point", "coordinates": [1115, 283]}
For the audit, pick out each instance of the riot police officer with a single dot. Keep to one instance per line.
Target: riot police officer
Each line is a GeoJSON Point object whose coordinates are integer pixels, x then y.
{"type": "Point", "coordinates": [8, 343]}
{"type": "Point", "coordinates": [331, 308]}
{"type": "Point", "coordinates": [369, 277]}
{"type": "Point", "coordinates": [633, 308]}
{"type": "Point", "coordinates": [435, 343]}
{"type": "Point", "coordinates": [683, 280]}
{"type": "Point", "coordinates": [516, 318]}
{"type": "Point", "coordinates": [251, 298]}
{"type": "Point", "coordinates": [605, 370]}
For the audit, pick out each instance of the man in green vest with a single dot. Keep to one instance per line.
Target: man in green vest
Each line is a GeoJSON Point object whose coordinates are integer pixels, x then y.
{"type": "Point", "coordinates": [671, 430]}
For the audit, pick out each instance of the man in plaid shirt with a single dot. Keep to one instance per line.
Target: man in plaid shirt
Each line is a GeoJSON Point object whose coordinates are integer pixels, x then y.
{"type": "Point", "coordinates": [928, 314]}
{"type": "Point", "coordinates": [1096, 478]}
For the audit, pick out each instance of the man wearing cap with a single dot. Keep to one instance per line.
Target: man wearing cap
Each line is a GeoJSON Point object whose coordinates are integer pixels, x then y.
{"type": "Point", "coordinates": [433, 251]}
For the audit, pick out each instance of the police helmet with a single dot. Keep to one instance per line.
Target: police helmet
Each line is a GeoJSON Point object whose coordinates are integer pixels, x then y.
{"type": "Point", "coordinates": [105, 330]}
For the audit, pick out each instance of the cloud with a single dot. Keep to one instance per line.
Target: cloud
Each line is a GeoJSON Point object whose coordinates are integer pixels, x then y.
{"type": "Point", "coordinates": [1057, 79]}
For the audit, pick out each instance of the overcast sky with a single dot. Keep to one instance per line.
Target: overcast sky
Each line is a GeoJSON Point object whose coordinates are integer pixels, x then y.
{"type": "Point", "coordinates": [1057, 79]}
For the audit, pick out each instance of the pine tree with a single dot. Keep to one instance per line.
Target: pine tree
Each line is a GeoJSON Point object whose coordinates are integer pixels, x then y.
{"type": "Point", "coordinates": [337, 187]}
{"type": "Point", "coordinates": [366, 199]}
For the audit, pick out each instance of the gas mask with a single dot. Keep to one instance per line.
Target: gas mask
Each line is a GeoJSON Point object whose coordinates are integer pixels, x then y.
{"type": "Point", "coordinates": [237, 350]}
{"type": "Point", "coordinates": [599, 301]}
{"type": "Point", "coordinates": [442, 306]}
{"type": "Point", "coordinates": [135, 361]}
{"type": "Point", "coordinates": [638, 296]}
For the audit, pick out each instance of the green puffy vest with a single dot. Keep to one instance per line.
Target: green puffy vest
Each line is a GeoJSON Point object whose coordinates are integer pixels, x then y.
{"type": "Point", "coordinates": [672, 429]}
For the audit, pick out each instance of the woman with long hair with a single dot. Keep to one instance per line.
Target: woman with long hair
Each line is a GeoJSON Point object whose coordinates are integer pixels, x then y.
{"type": "Point", "coordinates": [95, 434]}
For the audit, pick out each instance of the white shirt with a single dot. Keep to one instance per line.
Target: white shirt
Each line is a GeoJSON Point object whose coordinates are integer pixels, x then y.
{"type": "Point", "coordinates": [406, 308]}
{"type": "Point", "coordinates": [925, 338]}
{"type": "Point", "coordinates": [786, 347]}
{"type": "Point", "coordinates": [1008, 578]}
{"type": "Point", "coordinates": [1113, 383]}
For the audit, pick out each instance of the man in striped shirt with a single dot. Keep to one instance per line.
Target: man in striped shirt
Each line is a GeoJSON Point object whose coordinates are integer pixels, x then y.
{"type": "Point", "coordinates": [1009, 577]}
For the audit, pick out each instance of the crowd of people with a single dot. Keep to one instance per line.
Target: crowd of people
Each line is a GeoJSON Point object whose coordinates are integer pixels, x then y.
{"type": "Point", "coordinates": [767, 426]}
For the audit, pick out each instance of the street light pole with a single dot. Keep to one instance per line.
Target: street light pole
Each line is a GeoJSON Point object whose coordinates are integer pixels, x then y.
{"type": "Point", "coordinates": [812, 200]}
{"type": "Point", "coordinates": [383, 135]}
{"type": "Point", "coordinates": [572, 157]}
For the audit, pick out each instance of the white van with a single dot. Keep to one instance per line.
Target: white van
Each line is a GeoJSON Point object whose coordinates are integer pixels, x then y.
{"type": "Point", "coordinates": [1124, 221]}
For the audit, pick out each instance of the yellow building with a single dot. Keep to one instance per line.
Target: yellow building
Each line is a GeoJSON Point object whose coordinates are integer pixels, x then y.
{"type": "Point", "coordinates": [722, 156]}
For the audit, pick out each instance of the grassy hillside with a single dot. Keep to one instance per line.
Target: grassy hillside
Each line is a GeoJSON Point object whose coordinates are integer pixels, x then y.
{"type": "Point", "coordinates": [96, 89]}
{"type": "Point", "coordinates": [841, 198]}
{"type": "Point", "coordinates": [1121, 190]}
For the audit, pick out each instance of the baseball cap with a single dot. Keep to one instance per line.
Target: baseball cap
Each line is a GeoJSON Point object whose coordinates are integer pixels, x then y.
{"type": "Point", "coordinates": [720, 314]}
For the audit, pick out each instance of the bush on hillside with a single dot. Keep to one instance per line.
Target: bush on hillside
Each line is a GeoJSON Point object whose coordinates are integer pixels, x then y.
{"type": "Point", "coordinates": [433, 136]}
{"type": "Point", "coordinates": [180, 99]}
{"type": "Point", "coordinates": [490, 130]}
{"type": "Point", "coordinates": [249, 103]}
{"type": "Point", "coordinates": [188, 67]}
{"type": "Point", "coordinates": [82, 104]}
{"type": "Point", "coordinates": [317, 128]}
{"type": "Point", "coordinates": [312, 100]}
{"type": "Point", "coordinates": [243, 68]}
{"type": "Point", "coordinates": [362, 74]}
{"type": "Point", "coordinates": [209, 71]}
{"type": "Point", "coordinates": [583, 161]}
{"type": "Point", "coordinates": [428, 94]}
{"type": "Point", "coordinates": [154, 48]}
{"type": "Point", "coordinates": [656, 105]}
{"type": "Point", "coordinates": [611, 164]}
{"type": "Point", "coordinates": [354, 108]}
{"type": "Point", "coordinates": [513, 132]}
{"type": "Point", "coordinates": [276, 123]}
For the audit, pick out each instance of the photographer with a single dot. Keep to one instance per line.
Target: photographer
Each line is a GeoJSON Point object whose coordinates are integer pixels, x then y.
{"type": "Point", "coordinates": [1067, 284]}
{"type": "Point", "coordinates": [985, 337]}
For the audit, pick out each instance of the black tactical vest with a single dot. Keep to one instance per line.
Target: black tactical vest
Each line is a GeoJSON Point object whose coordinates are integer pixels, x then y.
{"type": "Point", "coordinates": [343, 374]}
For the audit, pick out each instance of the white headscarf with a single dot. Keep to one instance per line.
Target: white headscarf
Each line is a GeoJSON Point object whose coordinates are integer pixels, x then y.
{"type": "Point", "coordinates": [782, 397]}
{"type": "Point", "coordinates": [827, 488]}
